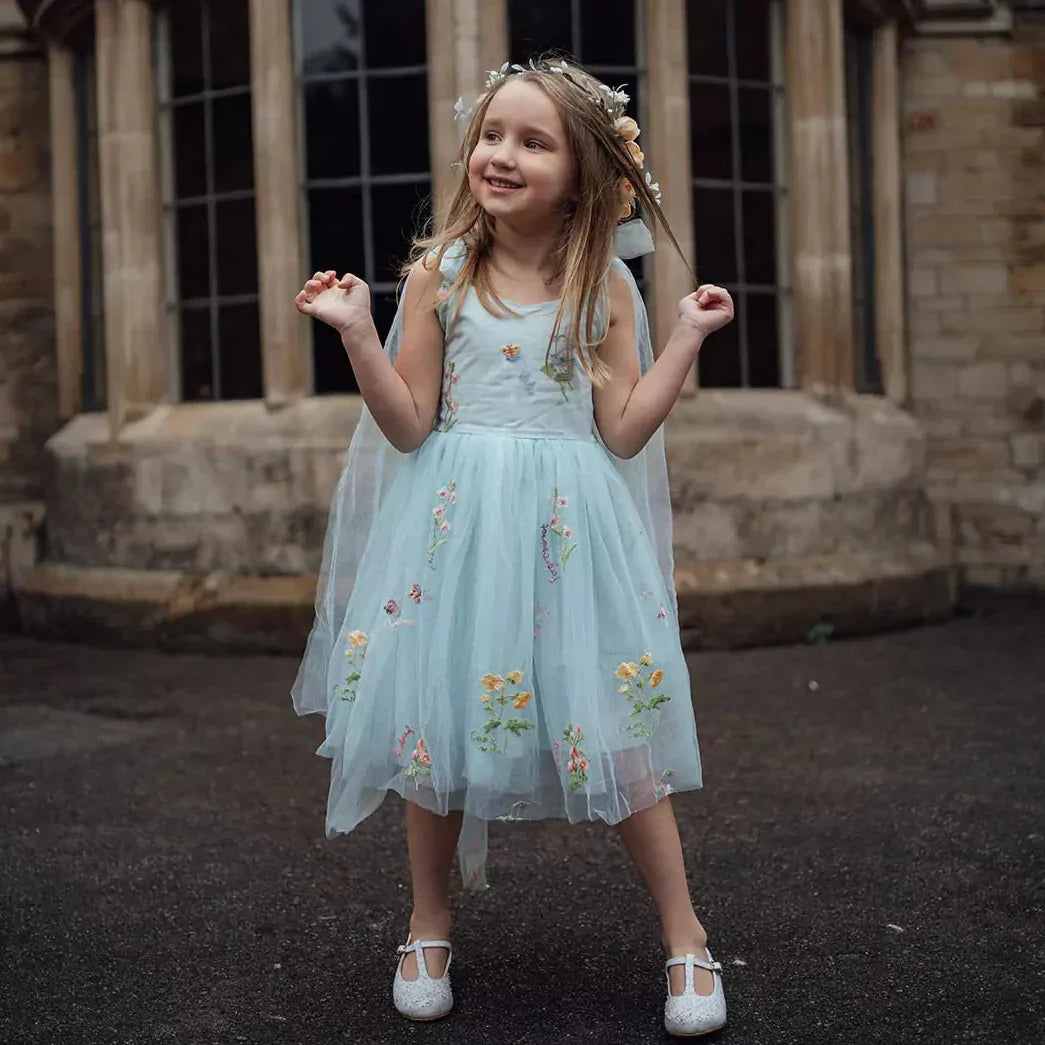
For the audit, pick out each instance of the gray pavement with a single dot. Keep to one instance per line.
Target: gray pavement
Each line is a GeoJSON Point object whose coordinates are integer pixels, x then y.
{"type": "Point", "coordinates": [868, 855]}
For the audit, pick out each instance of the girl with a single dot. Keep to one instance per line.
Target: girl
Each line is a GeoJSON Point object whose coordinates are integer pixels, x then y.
{"type": "Point", "coordinates": [496, 630]}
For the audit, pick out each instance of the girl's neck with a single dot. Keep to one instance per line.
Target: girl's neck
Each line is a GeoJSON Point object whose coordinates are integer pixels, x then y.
{"type": "Point", "coordinates": [517, 252]}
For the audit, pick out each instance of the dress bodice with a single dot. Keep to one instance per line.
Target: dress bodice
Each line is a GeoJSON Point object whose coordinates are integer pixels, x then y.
{"type": "Point", "coordinates": [499, 376]}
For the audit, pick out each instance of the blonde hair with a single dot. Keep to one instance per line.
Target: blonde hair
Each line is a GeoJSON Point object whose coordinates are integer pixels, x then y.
{"type": "Point", "coordinates": [582, 253]}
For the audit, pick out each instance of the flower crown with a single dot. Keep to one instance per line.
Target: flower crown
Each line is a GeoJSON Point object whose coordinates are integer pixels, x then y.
{"type": "Point", "coordinates": [612, 101]}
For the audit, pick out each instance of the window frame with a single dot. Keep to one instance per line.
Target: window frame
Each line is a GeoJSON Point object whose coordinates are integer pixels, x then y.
{"type": "Point", "coordinates": [170, 203]}
{"type": "Point", "coordinates": [783, 289]}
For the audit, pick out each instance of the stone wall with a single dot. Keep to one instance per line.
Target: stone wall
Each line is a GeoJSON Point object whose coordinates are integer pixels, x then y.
{"type": "Point", "coordinates": [28, 400]}
{"type": "Point", "coordinates": [28, 394]}
{"type": "Point", "coordinates": [974, 156]}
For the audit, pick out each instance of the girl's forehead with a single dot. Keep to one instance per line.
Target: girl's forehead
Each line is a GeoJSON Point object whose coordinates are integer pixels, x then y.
{"type": "Point", "coordinates": [524, 102]}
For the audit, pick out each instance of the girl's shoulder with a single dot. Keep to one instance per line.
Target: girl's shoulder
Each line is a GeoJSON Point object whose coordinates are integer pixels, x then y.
{"type": "Point", "coordinates": [450, 259]}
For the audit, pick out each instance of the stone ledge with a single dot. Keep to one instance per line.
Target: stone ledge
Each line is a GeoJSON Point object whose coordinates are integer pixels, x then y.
{"type": "Point", "coordinates": [721, 605]}
{"type": "Point", "coordinates": [729, 605]}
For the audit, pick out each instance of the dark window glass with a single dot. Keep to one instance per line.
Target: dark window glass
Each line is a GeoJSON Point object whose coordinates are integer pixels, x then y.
{"type": "Point", "coordinates": [240, 357]}
{"type": "Point", "coordinates": [236, 244]}
{"type": "Point", "coordinates": [229, 45]}
{"type": "Point", "coordinates": [399, 124]}
{"type": "Point", "coordinates": [332, 371]}
{"type": "Point", "coordinates": [710, 132]}
{"type": "Point", "coordinates": [233, 143]}
{"type": "Point", "coordinates": [759, 216]}
{"type": "Point", "coordinates": [763, 339]}
{"type": "Point", "coordinates": [713, 232]}
{"type": "Point", "coordinates": [607, 32]}
{"type": "Point", "coordinates": [706, 30]}
{"type": "Point", "coordinates": [719, 359]}
{"type": "Point", "coordinates": [215, 239]}
{"type": "Point", "coordinates": [384, 313]}
{"type": "Point", "coordinates": [332, 36]}
{"type": "Point", "coordinates": [395, 33]}
{"type": "Point", "coordinates": [336, 231]}
{"type": "Point", "coordinates": [196, 373]}
{"type": "Point", "coordinates": [332, 111]}
{"type": "Point", "coordinates": [190, 152]}
{"type": "Point", "coordinates": [534, 28]}
{"type": "Point", "coordinates": [193, 252]}
{"type": "Point", "coordinates": [756, 134]}
{"type": "Point", "coordinates": [403, 209]}
{"type": "Point", "coordinates": [752, 35]}
{"type": "Point", "coordinates": [186, 30]}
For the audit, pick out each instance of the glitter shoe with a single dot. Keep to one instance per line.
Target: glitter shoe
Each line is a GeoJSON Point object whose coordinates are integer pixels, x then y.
{"type": "Point", "coordinates": [688, 1015]}
{"type": "Point", "coordinates": [425, 998]}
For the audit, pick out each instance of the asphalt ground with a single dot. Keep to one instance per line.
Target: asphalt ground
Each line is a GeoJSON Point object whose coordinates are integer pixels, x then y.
{"type": "Point", "coordinates": [867, 854]}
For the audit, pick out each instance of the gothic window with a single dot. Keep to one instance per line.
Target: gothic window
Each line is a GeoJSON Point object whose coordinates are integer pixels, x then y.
{"type": "Point", "coordinates": [208, 194]}
{"type": "Point", "coordinates": [739, 191]}
{"type": "Point", "coordinates": [364, 117]}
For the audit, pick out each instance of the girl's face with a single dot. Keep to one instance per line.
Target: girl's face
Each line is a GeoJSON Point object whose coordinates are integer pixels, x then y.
{"type": "Point", "coordinates": [522, 167]}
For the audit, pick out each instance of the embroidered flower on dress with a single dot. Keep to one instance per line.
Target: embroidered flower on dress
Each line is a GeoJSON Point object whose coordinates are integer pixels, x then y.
{"type": "Point", "coordinates": [577, 765]}
{"type": "Point", "coordinates": [420, 762]}
{"type": "Point", "coordinates": [511, 352]}
{"type": "Point", "coordinates": [556, 548]}
{"type": "Point", "coordinates": [642, 719]}
{"type": "Point", "coordinates": [440, 524]}
{"type": "Point", "coordinates": [401, 742]}
{"type": "Point", "coordinates": [356, 654]}
{"type": "Point", "coordinates": [415, 592]}
{"type": "Point", "coordinates": [495, 699]}
{"type": "Point", "coordinates": [392, 608]}
{"type": "Point", "coordinates": [559, 367]}
{"type": "Point", "coordinates": [662, 613]}
{"type": "Point", "coordinates": [450, 378]}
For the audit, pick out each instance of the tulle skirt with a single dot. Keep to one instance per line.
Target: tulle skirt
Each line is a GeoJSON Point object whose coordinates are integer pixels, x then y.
{"type": "Point", "coordinates": [508, 648]}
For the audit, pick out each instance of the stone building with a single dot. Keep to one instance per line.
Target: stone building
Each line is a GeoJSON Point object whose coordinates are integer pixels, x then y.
{"type": "Point", "coordinates": [866, 176]}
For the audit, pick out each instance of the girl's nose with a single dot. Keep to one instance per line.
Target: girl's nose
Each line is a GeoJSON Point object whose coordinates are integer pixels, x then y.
{"type": "Point", "coordinates": [502, 156]}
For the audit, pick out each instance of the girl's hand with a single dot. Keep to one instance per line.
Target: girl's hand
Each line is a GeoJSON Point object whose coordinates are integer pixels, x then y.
{"type": "Point", "coordinates": [707, 309]}
{"type": "Point", "coordinates": [343, 304]}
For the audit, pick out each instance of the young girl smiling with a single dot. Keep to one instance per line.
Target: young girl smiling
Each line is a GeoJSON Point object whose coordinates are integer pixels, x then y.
{"type": "Point", "coordinates": [496, 632]}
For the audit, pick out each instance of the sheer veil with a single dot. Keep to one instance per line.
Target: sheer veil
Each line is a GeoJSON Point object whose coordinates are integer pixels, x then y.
{"type": "Point", "coordinates": [369, 466]}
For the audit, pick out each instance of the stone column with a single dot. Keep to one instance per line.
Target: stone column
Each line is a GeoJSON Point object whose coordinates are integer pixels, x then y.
{"type": "Point", "coordinates": [819, 190]}
{"type": "Point", "coordinates": [132, 253]}
{"type": "Point", "coordinates": [667, 148]}
{"type": "Point", "coordinates": [66, 235]}
{"type": "Point", "coordinates": [888, 230]}
{"type": "Point", "coordinates": [465, 39]}
{"type": "Point", "coordinates": [285, 353]}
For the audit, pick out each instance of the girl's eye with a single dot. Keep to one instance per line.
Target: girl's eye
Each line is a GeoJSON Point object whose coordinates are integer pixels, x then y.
{"type": "Point", "coordinates": [534, 144]}
{"type": "Point", "coordinates": [491, 136]}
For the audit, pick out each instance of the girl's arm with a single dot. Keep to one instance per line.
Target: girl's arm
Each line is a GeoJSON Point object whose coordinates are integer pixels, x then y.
{"type": "Point", "coordinates": [629, 410]}
{"type": "Point", "coordinates": [403, 398]}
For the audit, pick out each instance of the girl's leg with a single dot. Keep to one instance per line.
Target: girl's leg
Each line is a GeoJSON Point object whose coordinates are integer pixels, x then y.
{"type": "Point", "coordinates": [431, 841]}
{"type": "Point", "coordinates": [652, 840]}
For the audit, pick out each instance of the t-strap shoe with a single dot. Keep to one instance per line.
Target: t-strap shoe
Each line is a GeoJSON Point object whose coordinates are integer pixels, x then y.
{"type": "Point", "coordinates": [427, 997]}
{"type": "Point", "coordinates": [688, 1015]}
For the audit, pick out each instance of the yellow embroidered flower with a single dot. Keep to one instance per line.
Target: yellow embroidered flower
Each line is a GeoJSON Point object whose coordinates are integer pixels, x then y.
{"type": "Point", "coordinates": [358, 639]}
{"type": "Point", "coordinates": [646, 659]}
{"type": "Point", "coordinates": [492, 683]}
{"type": "Point", "coordinates": [514, 677]}
{"type": "Point", "coordinates": [628, 670]}
{"type": "Point", "coordinates": [522, 700]}
{"type": "Point", "coordinates": [510, 351]}
{"type": "Point", "coordinates": [637, 156]}
{"type": "Point", "coordinates": [484, 697]}
{"type": "Point", "coordinates": [626, 128]}
{"type": "Point", "coordinates": [655, 678]}
{"type": "Point", "coordinates": [624, 689]}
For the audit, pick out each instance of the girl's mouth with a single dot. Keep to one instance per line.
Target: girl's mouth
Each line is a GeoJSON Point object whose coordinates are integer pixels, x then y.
{"type": "Point", "coordinates": [502, 184]}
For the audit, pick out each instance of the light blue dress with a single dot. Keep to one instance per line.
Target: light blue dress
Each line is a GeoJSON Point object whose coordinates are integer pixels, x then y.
{"type": "Point", "coordinates": [509, 647]}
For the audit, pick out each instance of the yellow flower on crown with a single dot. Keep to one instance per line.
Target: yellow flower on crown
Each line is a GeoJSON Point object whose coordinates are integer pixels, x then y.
{"type": "Point", "coordinates": [626, 128]}
{"type": "Point", "coordinates": [637, 155]}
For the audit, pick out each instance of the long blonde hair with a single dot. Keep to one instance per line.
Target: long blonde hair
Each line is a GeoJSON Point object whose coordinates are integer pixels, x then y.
{"type": "Point", "coordinates": [582, 253]}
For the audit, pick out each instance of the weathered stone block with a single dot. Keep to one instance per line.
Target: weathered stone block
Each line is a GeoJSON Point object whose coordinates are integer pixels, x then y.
{"type": "Point", "coordinates": [983, 380]}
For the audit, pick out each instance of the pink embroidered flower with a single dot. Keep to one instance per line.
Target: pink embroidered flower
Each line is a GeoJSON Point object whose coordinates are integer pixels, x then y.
{"type": "Point", "coordinates": [562, 502]}
{"type": "Point", "coordinates": [401, 743]}
{"type": "Point", "coordinates": [661, 612]}
{"type": "Point", "coordinates": [567, 533]}
{"type": "Point", "coordinates": [392, 608]}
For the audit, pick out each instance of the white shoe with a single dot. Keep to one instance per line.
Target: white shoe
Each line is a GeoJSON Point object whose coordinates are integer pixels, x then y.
{"type": "Point", "coordinates": [425, 998]}
{"type": "Point", "coordinates": [689, 1014]}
